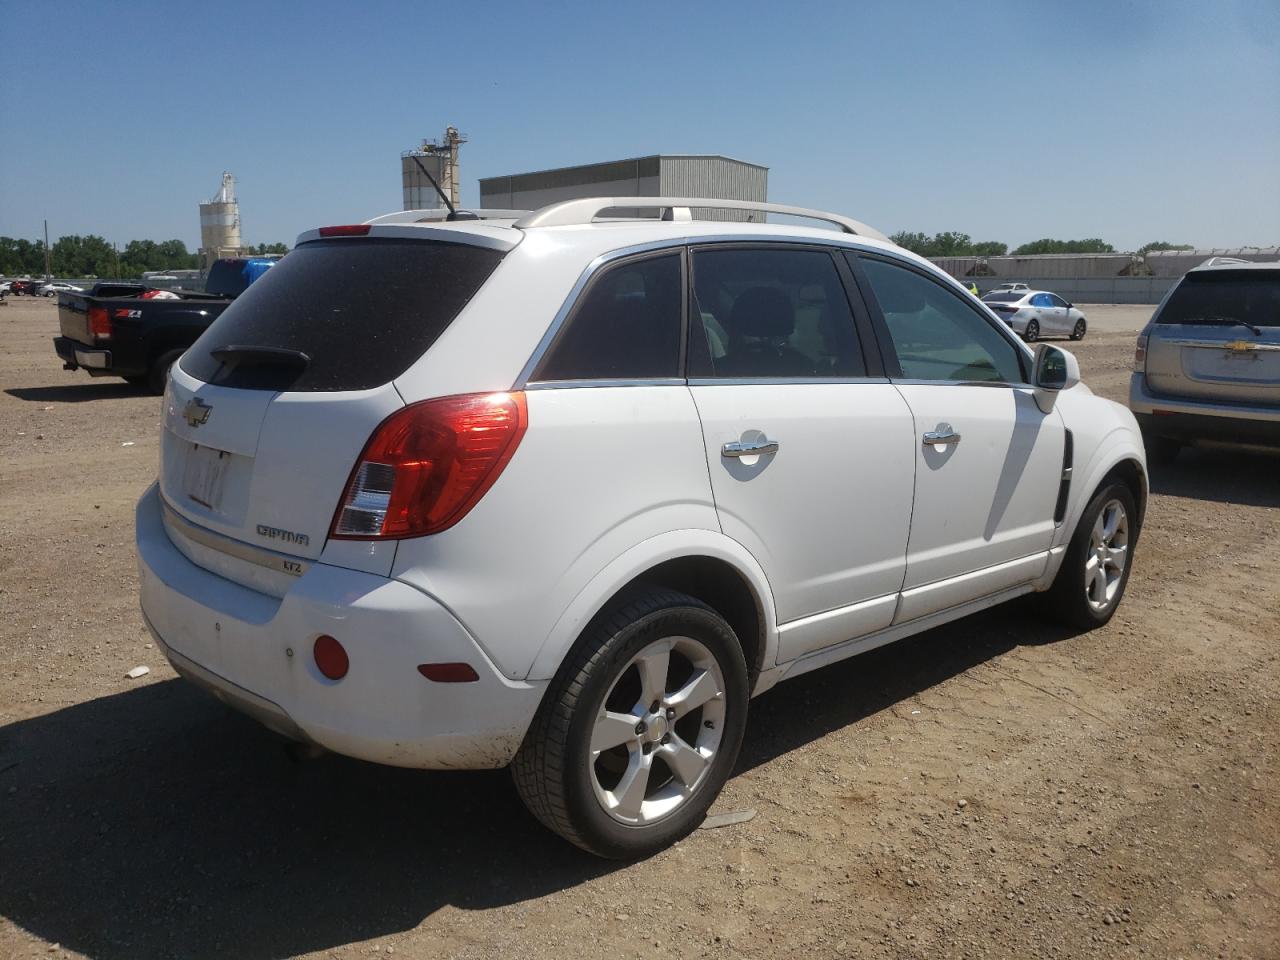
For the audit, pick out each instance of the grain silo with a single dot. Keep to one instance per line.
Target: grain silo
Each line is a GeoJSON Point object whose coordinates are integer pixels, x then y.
{"type": "Point", "coordinates": [220, 223]}
{"type": "Point", "coordinates": [435, 160]}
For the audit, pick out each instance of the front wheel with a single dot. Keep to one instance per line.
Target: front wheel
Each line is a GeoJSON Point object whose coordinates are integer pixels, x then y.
{"type": "Point", "coordinates": [1078, 331]}
{"type": "Point", "coordinates": [1095, 570]}
{"type": "Point", "coordinates": [641, 728]}
{"type": "Point", "coordinates": [1032, 333]}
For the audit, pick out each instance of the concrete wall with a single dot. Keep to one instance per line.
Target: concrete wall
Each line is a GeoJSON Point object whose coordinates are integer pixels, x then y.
{"type": "Point", "coordinates": [1091, 289]}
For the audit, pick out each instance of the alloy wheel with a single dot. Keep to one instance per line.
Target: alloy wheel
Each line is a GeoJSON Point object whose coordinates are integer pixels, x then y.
{"type": "Point", "coordinates": [656, 734]}
{"type": "Point", "coordinates": [1107, 555]}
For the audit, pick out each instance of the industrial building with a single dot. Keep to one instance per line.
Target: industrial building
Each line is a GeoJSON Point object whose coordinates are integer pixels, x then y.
{"type": "Point", "coordinates": [665, 175]}
{"type": "Point", "coordinates": [435, 160]}
{"type": "Point", "coordinates": [1174, 263]}
{"type": "Point", "coordinates": [1043, 265]}
{"type": "Point", "coordinates": [220, 224]}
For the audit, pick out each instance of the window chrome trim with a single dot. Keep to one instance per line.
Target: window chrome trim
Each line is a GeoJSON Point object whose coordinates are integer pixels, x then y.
{"type": "Point", "coordinates": [777, 381]}
{"type": "Point", "coordinates": [617, 382]}
{"type": "Point", "coordinates": [921, 382]}
{"type": "Point", "coordinates": [522, 381]}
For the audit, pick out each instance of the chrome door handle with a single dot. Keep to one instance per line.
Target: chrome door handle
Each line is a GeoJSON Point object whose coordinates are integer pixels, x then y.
{"type": "Point", "coordinates": [940, 437]}
{"type": "Point", "coordinates": [748, 448]}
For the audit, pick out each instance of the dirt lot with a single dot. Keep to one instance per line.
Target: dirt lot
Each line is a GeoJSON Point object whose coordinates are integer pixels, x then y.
{"type": "Point", "coordinates": [994, 788]}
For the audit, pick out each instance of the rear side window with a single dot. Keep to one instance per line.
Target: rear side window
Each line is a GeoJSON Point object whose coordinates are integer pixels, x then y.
{"type": "Point", "coordinates": [361, 310]}
{"type": "Point", "coordinates": [777, 314]}
{"type": "Point", "coordinates": [935, 334]}
{"type": "Point", "coordinates": [625, 327]}
{"type": "Point", "coordinates": [1225, 297]}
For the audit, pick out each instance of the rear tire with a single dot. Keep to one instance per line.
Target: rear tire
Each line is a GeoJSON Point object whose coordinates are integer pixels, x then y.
{"type": "Point", "coordinates": [1032, 333]}
{"type": "Point", "coordinates": [1078, 331]}
{"type": "Point", "coordinates": [1095, 570]}
{"type": "Point", "coordinates": [158, 375]}
{"type": "Point", "coordinates": [1161, 450]}
{"type": "Point", "coordinates": [624, 789]}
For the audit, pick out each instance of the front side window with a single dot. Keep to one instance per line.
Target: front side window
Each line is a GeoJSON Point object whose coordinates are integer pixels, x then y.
{"type": "Point", "coordinates": [935, 334]}
{"type": "Point", "coordinates": [625, 327]}
{"type": "Point", "coordinates": [771, 313]}
{"type": "Point", "coordinates": [1057, 301]}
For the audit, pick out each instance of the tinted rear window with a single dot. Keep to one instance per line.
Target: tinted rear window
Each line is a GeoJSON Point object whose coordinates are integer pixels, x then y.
{"type": "Point", "coordinates": [362, 310]}
{"type": "Point", "coordinates": [1225, 296]}
{"type": "Point", "coordinates": [1004, 296]}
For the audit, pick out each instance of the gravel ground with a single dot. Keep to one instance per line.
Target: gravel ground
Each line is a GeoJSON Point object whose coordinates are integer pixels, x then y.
{"type": "Point", "coordinates": [994, 788]}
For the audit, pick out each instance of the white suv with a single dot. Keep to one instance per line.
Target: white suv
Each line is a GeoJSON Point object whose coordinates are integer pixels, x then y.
{"type": "Point", "coordinates": [564, 493]}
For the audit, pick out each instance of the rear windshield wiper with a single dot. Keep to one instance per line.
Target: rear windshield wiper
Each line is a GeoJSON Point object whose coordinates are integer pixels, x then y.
{"type": "Point", "coordinates": [236, 354]}
{"type": "Point", "coordinates": [1226, 321]}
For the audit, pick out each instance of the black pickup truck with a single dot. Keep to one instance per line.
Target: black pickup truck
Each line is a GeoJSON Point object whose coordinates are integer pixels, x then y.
{"type": "Point", "coordinates": [117, 331]}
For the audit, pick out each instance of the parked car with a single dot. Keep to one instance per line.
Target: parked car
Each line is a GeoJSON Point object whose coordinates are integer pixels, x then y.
{"type": "Point", "coordinates": [1033, 314]}
{"type": "Point", "coordinates": [4, 288]}
{"type": "Point", "coordinates": [56, 287]}
{"type": "Point", "coordinates": [1207, 365]}
{"type": "Point", "coordinates": [137, 336]}
{"type": "Point", "coordinates": [24, 288]}
{"type": "Point", "coordinates": [1009, 287]}
{"type": "Point", "coordinates": [564, 494]}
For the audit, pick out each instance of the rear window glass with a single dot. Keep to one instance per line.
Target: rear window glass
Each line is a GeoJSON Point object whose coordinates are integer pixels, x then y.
{"type": "Point", "coordinates": [1226, 297]}
{"type": "Point", "coordinates": [361, 310]}
{"type": "Point", "coordinates": [1004, 296]}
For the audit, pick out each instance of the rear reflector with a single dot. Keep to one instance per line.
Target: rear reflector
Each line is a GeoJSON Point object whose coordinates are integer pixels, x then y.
{"type": "Point", "coordinates": [331, 657]}
{"type": "Point", "coordinates": [427, 465]}
{"type": "Point", "coordinates": [449, 672]}
{"type": "Point", "coordinates": [99, 323]}
{"type": "Point", "coordinates": [346, 230]}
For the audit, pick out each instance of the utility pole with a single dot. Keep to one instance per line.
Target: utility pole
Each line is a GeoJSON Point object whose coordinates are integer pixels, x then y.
{"type": "Point", "coordinates": [48, 275]}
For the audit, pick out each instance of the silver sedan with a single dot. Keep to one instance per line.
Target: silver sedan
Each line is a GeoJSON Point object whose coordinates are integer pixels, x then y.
{"type": "Point", "coordinates": [1033, 314]}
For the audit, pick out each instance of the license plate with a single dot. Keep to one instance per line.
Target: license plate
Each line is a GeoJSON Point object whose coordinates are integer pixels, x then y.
{"type": "Point", "coordinates": [203, 478]}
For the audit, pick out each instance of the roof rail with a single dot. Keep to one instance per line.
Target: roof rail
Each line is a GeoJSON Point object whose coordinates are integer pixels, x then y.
{"type": "Point", "coordinates": [440, 214]}
{"type": "Point", "coordinates": [587, 209]}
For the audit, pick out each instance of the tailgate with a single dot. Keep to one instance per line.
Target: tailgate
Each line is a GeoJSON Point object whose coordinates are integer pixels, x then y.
{"type": "Point", "coordinates": [73, 316]}
{"type": "Point", "coordinates": [1215, 363]}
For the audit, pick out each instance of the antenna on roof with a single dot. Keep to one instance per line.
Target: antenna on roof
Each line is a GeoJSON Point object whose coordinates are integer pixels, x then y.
{"type": "Point", "coordinates": [453, 214]}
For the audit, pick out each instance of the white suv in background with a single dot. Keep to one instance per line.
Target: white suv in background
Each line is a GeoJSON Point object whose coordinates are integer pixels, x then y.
{"type": "Point", "coordinates": [564, 492]}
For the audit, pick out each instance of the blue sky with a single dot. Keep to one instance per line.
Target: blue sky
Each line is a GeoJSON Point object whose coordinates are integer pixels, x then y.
{"type": "Point", "coordinates": [1008, 121]}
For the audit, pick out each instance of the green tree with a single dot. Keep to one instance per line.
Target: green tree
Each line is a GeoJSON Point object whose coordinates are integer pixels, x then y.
{"type": "Point", "coordinates": [947, 244]}
{"type": "Point", "coordinates": [264, 248]}
{"type": "Point", "coordinates": [1162, 245]}
{"type": "Point", "coordinates": [1047, 245]}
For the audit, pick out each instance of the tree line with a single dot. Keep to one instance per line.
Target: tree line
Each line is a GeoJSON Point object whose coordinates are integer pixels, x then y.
{"type": "Point", "coordinates": [952, 244]}
{"type": "Point", "coordinates": [93, 256]}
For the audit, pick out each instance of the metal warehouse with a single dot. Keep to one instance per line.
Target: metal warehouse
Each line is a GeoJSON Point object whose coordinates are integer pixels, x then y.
{"type": "Point", "coordinates": [1042, 265]}
{"type": "Point", "coordinates": [1174, 263]}
{"type": "Point", "coordinates": [674, 175]}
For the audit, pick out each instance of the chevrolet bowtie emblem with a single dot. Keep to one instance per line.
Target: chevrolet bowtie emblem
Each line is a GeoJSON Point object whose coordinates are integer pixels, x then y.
{"type": "Point", "coordinates": [197, 412]}
{"type": "Point", "coordinates": [1240, 346]}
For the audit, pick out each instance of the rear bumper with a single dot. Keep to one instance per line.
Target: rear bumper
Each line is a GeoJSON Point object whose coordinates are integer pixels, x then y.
{"type": "Point", "coordinates": [254, 652]}
{"type": "Point", "coordinates": [75, 355]}
{"type": "Point", "coordinates": [1195, 420]}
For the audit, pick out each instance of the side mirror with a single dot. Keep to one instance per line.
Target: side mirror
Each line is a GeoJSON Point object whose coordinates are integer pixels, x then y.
{"type": "Point", "coordinates": [1055, 370]}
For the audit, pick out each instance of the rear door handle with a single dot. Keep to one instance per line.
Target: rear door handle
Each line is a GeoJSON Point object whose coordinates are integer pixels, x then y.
{"type": "Point", "coordinates": [749, 448]}
{"type": "Point", "coordinates": [940, 437]}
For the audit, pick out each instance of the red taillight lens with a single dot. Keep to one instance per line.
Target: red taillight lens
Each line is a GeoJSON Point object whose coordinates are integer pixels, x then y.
{"type": "Point", "coordinates": [1140, 354]}
{"type": "Point", "coordinates": [99, 323]}
{"type": "Point", "coordinates": [428, 464]}
{"type": "Point", "coordinates": [331, 657]}
{"type": "Point", "coordinates": [346, 230]}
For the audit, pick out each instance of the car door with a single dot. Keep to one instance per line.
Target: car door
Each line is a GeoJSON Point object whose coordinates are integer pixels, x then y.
{"type": "Point", "coordinates": [1062, 321]}
{"type": "Point", "coordinates": [988, 460]}
{"type": "Point", "coordinates": [810, 449]}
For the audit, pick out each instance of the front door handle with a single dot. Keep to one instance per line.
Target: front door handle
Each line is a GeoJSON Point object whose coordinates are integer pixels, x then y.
{"type": "Point", "coordinates": [749, 448]}
{"type": "Point", "coordinates": [940, 437]}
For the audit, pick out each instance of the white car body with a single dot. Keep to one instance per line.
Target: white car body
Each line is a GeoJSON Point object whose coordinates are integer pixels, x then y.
{"type": "Point", "coordinates": [1054, 316]}
{"type": "Point", "coordinates": [853, 534]}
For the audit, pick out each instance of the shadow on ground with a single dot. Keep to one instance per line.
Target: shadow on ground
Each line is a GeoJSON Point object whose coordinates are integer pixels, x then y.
{"type": "Point", "coordinates": [79, 392]}
{"type": "Point", "coordinates": [1224, 474]}
{"type": "Point", "coordinates": [156, 823]}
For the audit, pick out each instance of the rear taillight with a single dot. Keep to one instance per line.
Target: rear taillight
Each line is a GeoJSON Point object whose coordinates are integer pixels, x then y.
{"type": "Point", "coordinates": [1140, 354]}
{"type": "Point", "coordinates": [428, 464]}
{"type": "Point", "coordinates": [99, 323]}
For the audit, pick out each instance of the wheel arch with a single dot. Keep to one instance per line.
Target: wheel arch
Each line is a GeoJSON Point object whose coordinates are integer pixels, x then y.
{"type": "Point", "coordinates": [708, 566]}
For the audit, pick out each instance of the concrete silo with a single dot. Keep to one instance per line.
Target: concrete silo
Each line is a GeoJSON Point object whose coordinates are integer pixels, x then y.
{"type": "Point", "coordinates": [220, 224]}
